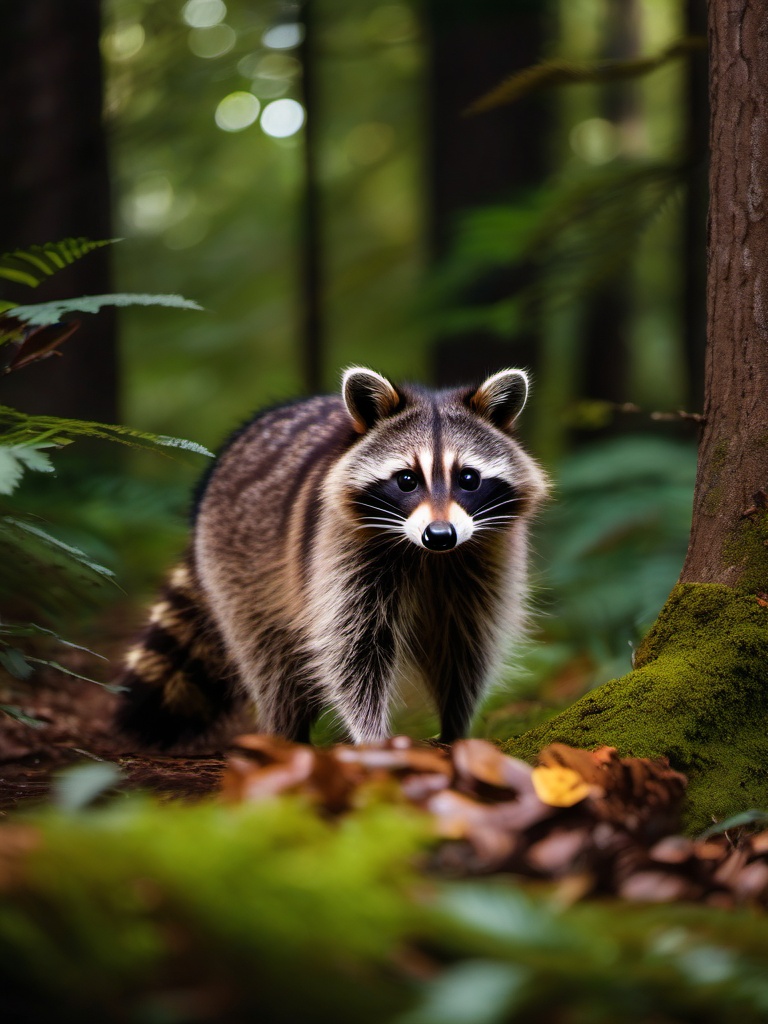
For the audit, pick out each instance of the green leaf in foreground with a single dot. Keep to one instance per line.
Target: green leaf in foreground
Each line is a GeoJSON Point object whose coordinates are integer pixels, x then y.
{"type": "Point", "coordinates": [14, 459]}
{"type": "Point", "coordinates": [740, 820]}
{"type": "Point", "coordinates": [78, 787]}
{"type": "Point", "coordinates": [266, 912]}
{"type": "Point", "coordinates": [41, 314]}
{"type": "Point", "coordinates": [21, 716]}
{"type": "Point", "coordinates": [19, 428]}
{"type": "Point", "coordinates": [32, 265]}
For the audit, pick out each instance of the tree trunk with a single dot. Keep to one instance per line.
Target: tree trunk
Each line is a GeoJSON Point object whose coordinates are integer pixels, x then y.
{"type": "Point", "coordinates": [727, 540]}
{"type": "Point", "coordinates": [697, 693]}
{"type": "Point", "coordinates": [475, 161]}
{"type": "Point", "coordinates": [54, 184]}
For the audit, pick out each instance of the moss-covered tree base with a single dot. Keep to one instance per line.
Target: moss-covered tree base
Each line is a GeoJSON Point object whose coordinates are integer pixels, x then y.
{"type": "Point", "coordinates": [698, 694]}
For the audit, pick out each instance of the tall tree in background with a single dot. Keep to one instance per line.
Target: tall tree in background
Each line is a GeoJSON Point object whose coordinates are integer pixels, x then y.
{"type": "Point", "coordinates": [475, 161]}
{"type": "Point", "coordinates": [54, 184]}
{"type": "Point", "coordinates": [698, 691]}
{"type": "Point", "coordinates": [730, 520]}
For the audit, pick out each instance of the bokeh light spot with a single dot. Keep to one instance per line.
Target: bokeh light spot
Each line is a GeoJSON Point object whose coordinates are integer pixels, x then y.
{"type": "Point", "coordinates": [123, 41]}
{"type": "Point", "coordinates": [148, 207]}
{"type": "Point", "coordinates": [596, 141]}
{"type": "Point", "coordinates": [212, 42]}
{"type": "Point", "coordinates": [204, 13]}
{"type": "Point", "coordinates": [237, 111]}
{"type": "Point", "coordinates": [282, 118]}
{"type": "Point", "coordinates": [283, 37]}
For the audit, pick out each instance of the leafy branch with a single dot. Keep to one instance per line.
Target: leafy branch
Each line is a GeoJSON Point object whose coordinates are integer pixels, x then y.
{"type": "Point", "coordinates": [550, 73]}
{"type": "Point", "coordinates": [34, 264]}
{"type": "Point", "coordinates": [43, 576]}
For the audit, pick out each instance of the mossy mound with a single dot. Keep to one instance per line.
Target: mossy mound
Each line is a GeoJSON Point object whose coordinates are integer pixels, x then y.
{"type": "Point", "coordinates": [698, 694]}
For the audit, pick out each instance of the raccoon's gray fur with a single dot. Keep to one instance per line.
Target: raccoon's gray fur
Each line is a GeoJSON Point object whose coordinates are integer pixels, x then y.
{"type": "Point", "coordinates": [340, 544]}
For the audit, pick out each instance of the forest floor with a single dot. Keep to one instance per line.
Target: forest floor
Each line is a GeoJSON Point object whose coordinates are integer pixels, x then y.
{"type": "Point", "coordinates": [76, 725]}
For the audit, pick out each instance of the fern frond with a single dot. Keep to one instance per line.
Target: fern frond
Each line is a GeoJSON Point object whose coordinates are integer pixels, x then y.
{"type": "Point", "coordinates": [30, 629]}
{"type": "Point", "coordinates": [41, 314]}
{"type": "Point", "coordinates": [43, 577]}
{"type": "Point", "coordinates": [34, 264]}
{"type": "Point", "coordinates": [549, 73]}
{"type": "Point", "coordinates": [579, 232]}
{"type": "Point", "coordinates": [10, 525]}
{"type": "Point", "coordinates": [19, 428]}
{"type": "Point", "coordinates": [20, 716]}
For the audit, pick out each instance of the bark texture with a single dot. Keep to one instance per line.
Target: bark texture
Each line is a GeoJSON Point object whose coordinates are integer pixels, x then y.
{"type": "Point", "coordinates": [54, 184]}
{"type": "Point", "coordinates": [727, 540]}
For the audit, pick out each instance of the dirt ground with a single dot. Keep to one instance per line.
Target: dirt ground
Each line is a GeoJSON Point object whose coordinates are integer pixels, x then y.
{"type": "Point", "coordinates": [77, 727]}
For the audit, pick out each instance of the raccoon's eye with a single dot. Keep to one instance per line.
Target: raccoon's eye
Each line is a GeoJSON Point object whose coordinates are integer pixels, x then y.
{"type": "Point", "coordinates": [407, 480]}
{"type": "Point", "coordinates": [469, 479]}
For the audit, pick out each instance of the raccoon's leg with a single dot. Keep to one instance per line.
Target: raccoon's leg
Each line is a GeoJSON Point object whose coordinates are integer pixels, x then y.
{"type": "Point", "coordinates": [358, 673]}
{"type": "Point", "coordinates": [455, 661]}
{"type": "Point", "coordinates": [277, 674]}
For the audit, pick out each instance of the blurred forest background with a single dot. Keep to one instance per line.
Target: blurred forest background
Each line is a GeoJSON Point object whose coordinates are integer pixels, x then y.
{"type": "Point", "coordinates": [314, 177]}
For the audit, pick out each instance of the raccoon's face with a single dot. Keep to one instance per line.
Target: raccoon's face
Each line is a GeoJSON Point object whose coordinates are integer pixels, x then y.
{"type": "Point", "coordinates": [437, 468]}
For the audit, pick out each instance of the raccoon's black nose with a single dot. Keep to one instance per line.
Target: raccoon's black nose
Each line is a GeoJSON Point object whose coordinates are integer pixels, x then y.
{"type": "Point", "coordinates": [439, 536]}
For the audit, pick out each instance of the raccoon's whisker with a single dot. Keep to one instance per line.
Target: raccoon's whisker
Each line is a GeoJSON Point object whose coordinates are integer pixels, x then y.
{"type": "Point", "coordinates": [385, 502]}
{"type": "Point", "coordinates": [499, 504]}
{"type": "Point", "coordinates": [384, 517]}
{"type": "Point", "coordinates": [391, 511]}
{"type": "Point", "coordinates": [494, 521]}
{"type": "Point", "coordinates": [379, 524]}
{"type": "Point", "coordinates": [377, 501]}
{"type": "Point", "coordinates": [496, 518]}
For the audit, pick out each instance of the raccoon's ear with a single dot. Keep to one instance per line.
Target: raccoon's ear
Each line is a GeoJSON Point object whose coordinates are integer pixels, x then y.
{"type": "Point", "coordinates": [501, 398]}
{"type": "Point", "coordinates": [368, 396]}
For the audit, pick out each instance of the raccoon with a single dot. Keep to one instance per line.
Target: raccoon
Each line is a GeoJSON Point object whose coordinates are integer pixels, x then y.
{"type": "Point", "coordinates": [340, 544]}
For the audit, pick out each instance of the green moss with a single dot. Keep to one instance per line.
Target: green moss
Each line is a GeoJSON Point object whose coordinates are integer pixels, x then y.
{"type": "Point", "coordinates": [748, 548]}
{"type": "Point", "coordinates": [698, 694]}
{"type": "Point", "coordinates": [718, 460]}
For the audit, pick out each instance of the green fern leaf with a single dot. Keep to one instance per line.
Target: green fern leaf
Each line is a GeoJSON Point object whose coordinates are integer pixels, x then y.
{"type": "Point", "coordinates": [58, 546]}
{"type": "Point", "coordinates": [41, 314]}
{"type": "Point", "coordinates": [20, 716]}
{"type": "Point", "coordinates": [14, 459]}
{"type": "Point", "coordinates": [33, 265]}
{"type": "Point", "coordinates": [15, 663]}
{"type": "Point", "coordinates": [18, 428]}
{"type": "Point", "coordinates": [32, 630]}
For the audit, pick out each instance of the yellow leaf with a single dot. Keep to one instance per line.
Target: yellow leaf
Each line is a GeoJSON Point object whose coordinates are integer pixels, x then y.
{"type": "Point", "coordinates": [558, 786]}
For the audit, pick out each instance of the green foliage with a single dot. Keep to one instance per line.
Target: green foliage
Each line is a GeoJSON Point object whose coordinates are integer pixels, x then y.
{"type": "Point", "coordinates": [578, 232]}
{"type": "Point", "coordinates": [41, 314]}
{"type": "Point", "coordinates": [34, 432]}
{"type": "Point", "coordinates": [21, 665]}
{"type": "Point", "coordinates": [522, 957]}
{"type": "Point", "coordinates": [615, 538]}
{"type": "Point", "coordinates": [43, 576]}
{"type": "Point", "coordinates": [262, 912]}
{"type": "Point", "coordinates": [34, 264]}
{"type": "Point", "coordinates": [141, 912]}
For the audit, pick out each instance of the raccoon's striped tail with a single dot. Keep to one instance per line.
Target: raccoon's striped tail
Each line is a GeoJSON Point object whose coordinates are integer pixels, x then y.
{"type": "Point", "coordinates": [177, 683]}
